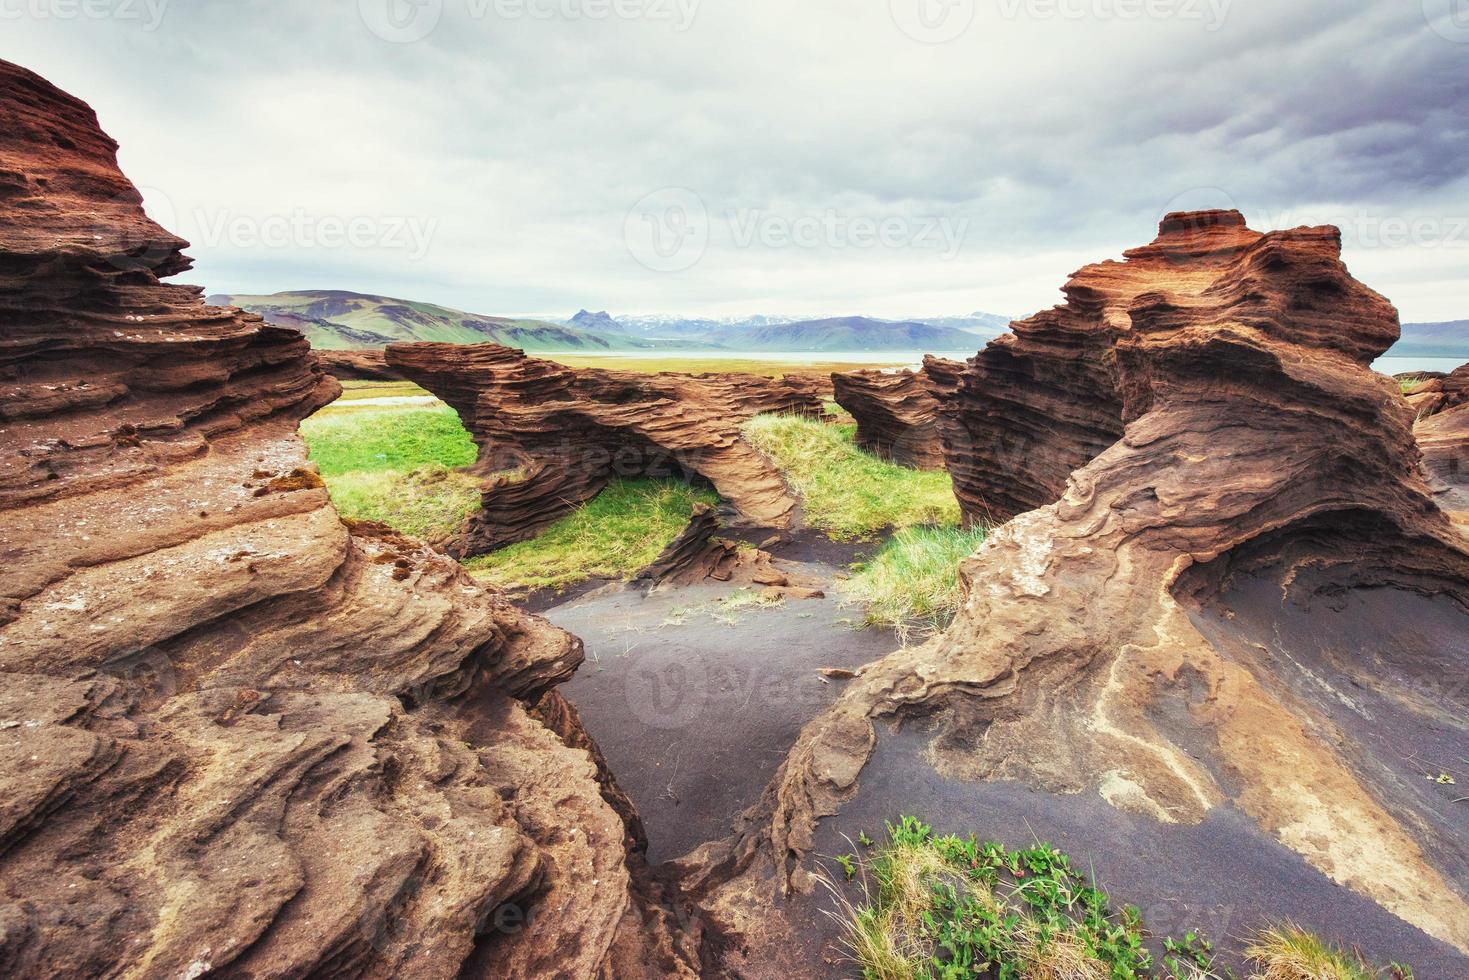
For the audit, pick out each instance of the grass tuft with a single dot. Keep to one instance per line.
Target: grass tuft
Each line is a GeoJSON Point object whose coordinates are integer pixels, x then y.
{"type": "Point", "coordinates": [614, 535]}
{"type": "Point", "coordinates": [912, 583]}
{"type": "Point", "coordinates": [428, 503]}
{"type": "Point", "coordinates": [1288, 952]}
{"type": "Point", "coordinates": [846, 492]}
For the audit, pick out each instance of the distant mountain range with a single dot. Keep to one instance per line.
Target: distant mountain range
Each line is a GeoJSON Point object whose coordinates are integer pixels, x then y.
{"type": "Point", "coordinates": [1448, 339]}
{"type": "Point", "coordinates": [334, 319]}
{"type": "Point", "coordinates": [792, 333]}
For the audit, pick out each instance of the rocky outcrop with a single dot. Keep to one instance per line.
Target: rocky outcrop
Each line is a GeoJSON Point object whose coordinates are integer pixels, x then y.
{"type": "Point", "coordinates": [236, 735]}
{"type": "Point", "coordinates": [552, 437]}
{"type": "Point", "coordinates": [1431, 394]}
{"type": "Point", "coordinates": [1215, 627]}
{"type": "Point", "coordinates": [370, 364]}
{"type": "Point", "coordinates": [1042, 401]}
{"type": "Point", "coordinates": [896, 413]}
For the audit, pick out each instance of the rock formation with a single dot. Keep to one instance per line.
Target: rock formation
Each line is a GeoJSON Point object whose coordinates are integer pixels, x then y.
{"type": "Point", "coordinates": [369, 364]}
{"type": "Point", "coordinates": [1434, 393]}
{"type": "Point", "coordinates": [1243, 615]}
{"type": "Point", "coordinates": [552, 437]}
{"type": "Point", "coordinates": [236, 735]}
{"type": "Point", "coordinates": [897, 414]}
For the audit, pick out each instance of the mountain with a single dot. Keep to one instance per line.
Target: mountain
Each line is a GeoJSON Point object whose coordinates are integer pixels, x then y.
{"type": "Point", "coordinates": [855, 333]}
{"type": "Point", "coordinates": [765, 332]}
{"type": "Point", "coordinates": [334, 319]}
{"type": "Point", "coordinates": [596, 323]}
{"type": "Point", "coordinates": [1448, 339]}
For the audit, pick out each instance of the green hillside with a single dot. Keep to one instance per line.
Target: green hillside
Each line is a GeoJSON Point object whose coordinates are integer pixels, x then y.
{"type": "Point", "coordinates": [339, 320]}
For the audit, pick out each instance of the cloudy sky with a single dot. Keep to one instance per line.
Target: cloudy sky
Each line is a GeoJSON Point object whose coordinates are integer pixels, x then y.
{"type": "Point", "coordinates": [887, 157]}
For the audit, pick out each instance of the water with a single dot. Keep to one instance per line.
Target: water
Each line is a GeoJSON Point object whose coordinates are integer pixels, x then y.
{"type": "Point", "coordinates": [1414, 365]}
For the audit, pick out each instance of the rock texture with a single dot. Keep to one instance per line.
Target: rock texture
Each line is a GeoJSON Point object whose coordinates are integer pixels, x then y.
{"type": "Point", "coordinates": [237, 736]}
{"type": "Point", "coordinates": [552, 437]}
{"type": "Point", "coordinates": [1431, 394]}
{"type": "Point", "coordinates": [897, 415]}
{"type": "Point", "coordinates": [370, 364]}
{"type": "Point", "coordinates": [1244, 602]}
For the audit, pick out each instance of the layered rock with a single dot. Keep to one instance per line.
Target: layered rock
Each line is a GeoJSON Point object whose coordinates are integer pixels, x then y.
{"type": "Point", "coordinates": [552, 437]}
{"type": "Point", "coordinates": [236, 735]}
{"type": "Point", "coordinates": [369, 364]}
{"type": "Point", "coordinates": [1434, 393]}
{"type": "Point", "coordinates": [897, 415]}
{"type": "Point", "coordinates": [1247, 605]}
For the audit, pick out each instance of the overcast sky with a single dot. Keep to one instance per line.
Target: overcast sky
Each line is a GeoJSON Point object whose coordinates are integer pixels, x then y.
{"type": "Point", "coordinates": [886, 157]}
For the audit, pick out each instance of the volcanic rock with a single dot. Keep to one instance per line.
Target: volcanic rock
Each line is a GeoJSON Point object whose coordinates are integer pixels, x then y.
{"type": "Point", "coordinates": [236, 735]}
{"type": "Point", "coordinates": [370, 364]}
{"type": "Point", "coordinates": [1241, 621]}
{"type": "Point", "coordinates": [552, 437]}
{"type": "Point", "coordinates": [896, 413]}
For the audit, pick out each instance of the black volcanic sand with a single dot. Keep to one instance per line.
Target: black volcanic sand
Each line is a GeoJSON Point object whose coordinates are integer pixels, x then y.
{"type": "Point", "coordinates": [695, 718]}
{"type": "Point", "coordinates": [1223, 877]}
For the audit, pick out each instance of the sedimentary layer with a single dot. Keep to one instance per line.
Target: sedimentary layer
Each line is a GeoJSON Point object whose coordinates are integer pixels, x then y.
{"type": "Point", "coordinates": [237, 735]}
{"type": "Point", "coordinates": [1244, 603]}
{"type": "Point", "coordinates": [897, 415]}
{"type": "Point", "coordinates": [551, 437]}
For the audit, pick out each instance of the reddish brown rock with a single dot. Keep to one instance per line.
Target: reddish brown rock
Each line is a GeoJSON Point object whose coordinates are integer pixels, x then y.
{"type": "Point", "coordinates": [1434, 393]}
{"type": "Point", "coordinates": [237, 736]}
{"type": "Point", "coordinates": [896, 413]}
{"type": "Point", "coordinates": [1244, 606]}
{"type": "Point", "coordinates": [552, 437]}
{"type": "Point", "coordinates": [369, 364]}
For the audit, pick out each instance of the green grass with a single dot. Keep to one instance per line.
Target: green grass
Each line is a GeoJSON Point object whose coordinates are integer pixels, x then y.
{"type": "Point", "coordinates": [614, 535]}
{"type": "Point", "coordinates": [396, 465]}
{"type": "Point", "coordinates": [392, 438]}
{"type": "Point", "coordinates": [936, 907]}
{"type": "Point", "coordinates": [845, 492]}
{"type": "Point", "coordinates": [1288, 952]}
{"type": "Point", "coordinates": [951, 907]}
{"type": "Point", "coordinates": [358, 390]}
{"type": "Point", "coordinates": [430, 502]}
{"type": "Point", "coordinates": [912, 583]}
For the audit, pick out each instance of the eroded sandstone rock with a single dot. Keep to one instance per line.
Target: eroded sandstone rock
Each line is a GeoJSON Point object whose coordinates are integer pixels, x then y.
{"type": "Point", "coordinates": [552, 437]}
{"type": "Point", "coordinates": [1242, 601]}
{"type": "Point", "coordinates": [897, 415]}
{"type": "Point", "coordinates": [238, 737]}
{"type": "Point", "coordinates": [368, 364]}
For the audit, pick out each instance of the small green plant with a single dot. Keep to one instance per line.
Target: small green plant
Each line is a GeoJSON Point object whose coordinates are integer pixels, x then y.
{"type": "Point", "coordinates": [942, 907]}
{"type": "Point", "coordinates": [864, 840]}
{"type": "Point", "coordinates": [848, 863]}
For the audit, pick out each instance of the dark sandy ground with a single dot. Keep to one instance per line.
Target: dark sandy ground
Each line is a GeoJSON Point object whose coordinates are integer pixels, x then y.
{"type": "Point", "coordinates": [695, 714]}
